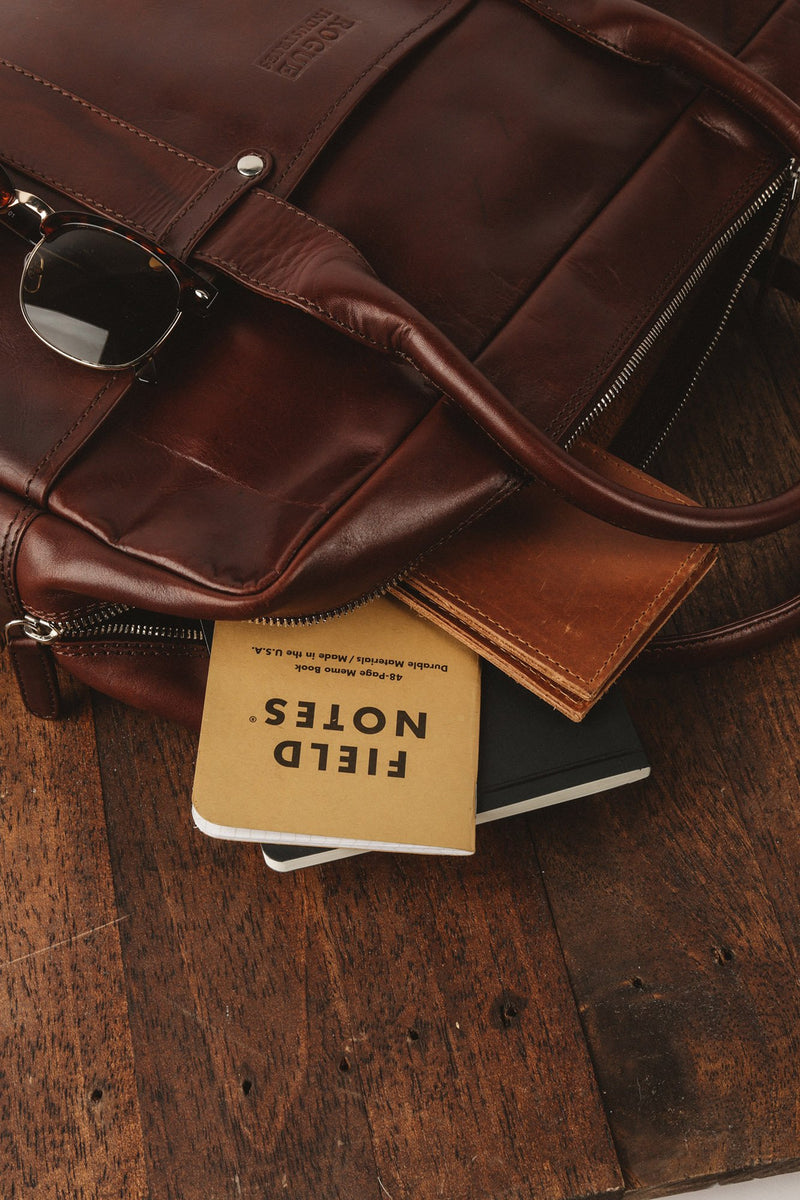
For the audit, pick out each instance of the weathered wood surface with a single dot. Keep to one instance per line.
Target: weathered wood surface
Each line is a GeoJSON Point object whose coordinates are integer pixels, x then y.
{"type": "Point", "coordinates": [604, 1001]}
{"type": "Point", "coordinates": [378, 1025]}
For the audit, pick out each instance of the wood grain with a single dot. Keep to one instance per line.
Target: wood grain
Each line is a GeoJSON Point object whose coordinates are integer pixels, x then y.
{"type": "Point", "coordinates": [69, 1115]}
{"type": "Point", "coordinates": [379, 1026]}
{"type": "Point", "coordinates": [678, 961]}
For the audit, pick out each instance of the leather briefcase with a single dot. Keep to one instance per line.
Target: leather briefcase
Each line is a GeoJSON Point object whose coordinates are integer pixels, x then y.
{"type": "Point", "coordinates": [444, 240]}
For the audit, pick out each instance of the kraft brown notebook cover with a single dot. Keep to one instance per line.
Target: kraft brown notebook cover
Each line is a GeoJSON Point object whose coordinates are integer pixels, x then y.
{"type": "Point", "coordinates": [557, 599]}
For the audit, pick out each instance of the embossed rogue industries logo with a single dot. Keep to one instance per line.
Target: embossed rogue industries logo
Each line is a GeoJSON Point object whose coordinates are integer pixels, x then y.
{"type": "Point", "coordinates": [312, 36]}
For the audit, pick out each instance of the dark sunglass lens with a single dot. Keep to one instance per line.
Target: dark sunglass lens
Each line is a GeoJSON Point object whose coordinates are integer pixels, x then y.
{"type": "Point", "coordinates": [98, 297]}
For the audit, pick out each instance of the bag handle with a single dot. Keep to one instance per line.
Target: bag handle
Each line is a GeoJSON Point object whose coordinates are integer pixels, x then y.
{"type": "Point", "coordinates": [709, 646]}
{"type": "Point", "coordinates": [306, 264]}
{"type": "Point", "coordinates": [744, 634]}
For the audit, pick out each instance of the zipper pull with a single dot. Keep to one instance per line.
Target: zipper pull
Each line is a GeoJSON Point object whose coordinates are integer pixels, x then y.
{"type": "Point", "coordinates": [794, 175]}
{"type": "Point", "coordinates": [773, 255]}
{"type": "Point", "coordinates": [26, 640]}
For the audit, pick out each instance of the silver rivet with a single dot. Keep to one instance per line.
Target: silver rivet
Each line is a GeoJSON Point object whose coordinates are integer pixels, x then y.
{"type": "Point", "coordinates": [250, 165]}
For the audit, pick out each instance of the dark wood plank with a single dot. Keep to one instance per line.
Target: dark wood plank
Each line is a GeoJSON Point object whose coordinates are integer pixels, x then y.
{"type": "Point", "coordinates": [677, 903]}
{"type": "Point", "coordinates": [224, 982]}
{"type": "Point", "coordinates": [69, 1114]}
{"type": "Point", "coordinates": [470, 1055]}
{"type": "Point", "coordinates": [679, 964]}
{"type": "Point", "coordinates": [379, 1026]}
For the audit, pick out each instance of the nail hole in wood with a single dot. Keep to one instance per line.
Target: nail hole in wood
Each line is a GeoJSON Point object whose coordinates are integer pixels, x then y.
{"type": "Point", "coordinates": [413, 1035]}
{"type": "Point", "coordinates": [96, 1096]}
{"type": "Point", "coordinates": [509, 1012]}
{"type": "Point", "coordinates": [246, 1086]}
{"type": "Point", "coordinates": [637, 983]}
{"type": "Point", "coordinates": [344, 1065]}
{"type": "Point", "coordinates": [723, 954]}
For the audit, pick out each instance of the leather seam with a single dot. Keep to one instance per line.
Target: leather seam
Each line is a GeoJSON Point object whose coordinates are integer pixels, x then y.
{"type": "Point", "coordinates": [548, 685]}
{"type": "Point", "coordinates": [627, 469]}
{"type": "Point", "coordinates": [61, 186]}
{"type": "Point", "coordinates": [66, 613]}
{"type": "Point", "coordinates": [24, 691]}
{"type": "Point", "coordinates": [341, 99]}
{"type": "Point", "coordinates": [118, 649]}
{"type": "Point", "coordinates": [588, 34]}
{"type": "Point", "coordinates": [106, 116]}
{"type": "Point", "coordinates": [588, 680]}
{"type": "Point", "coordinates": [193, 201]}
{"type": "Point", "coordinates": [227, 201]}
{"type": "Point", "coordinates": [66, 436]}
{"type": "Point", "coordinates": [700, 640]}
{"type": "Point", "coordinates": [260, 194]}
{"type": "Point", "coordinates": [7, 554]}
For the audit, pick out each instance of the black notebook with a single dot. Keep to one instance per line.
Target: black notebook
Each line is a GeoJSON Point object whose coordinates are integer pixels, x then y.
{"type": "Point", "coordinates": [529, 756]}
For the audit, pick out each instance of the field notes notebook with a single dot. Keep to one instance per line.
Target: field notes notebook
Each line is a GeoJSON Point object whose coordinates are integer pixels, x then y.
{"type": "Point", "coordinates": [358, 731]}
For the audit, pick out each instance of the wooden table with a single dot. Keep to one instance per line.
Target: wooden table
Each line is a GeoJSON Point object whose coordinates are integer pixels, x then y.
{"type": "Point", "coordinates": [604, 1001]}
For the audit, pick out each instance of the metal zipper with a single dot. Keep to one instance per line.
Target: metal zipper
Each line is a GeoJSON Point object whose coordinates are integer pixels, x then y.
{"type": "Point", "coordinates": [788, 176]}
{"type": "Point", "coordinates": [100, 624]}
{"type": "Point", "coordinates": [104, 622]}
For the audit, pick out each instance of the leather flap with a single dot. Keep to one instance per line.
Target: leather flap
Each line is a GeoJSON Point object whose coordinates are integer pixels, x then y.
{"type": "Point", "coordinates": [130, 118]}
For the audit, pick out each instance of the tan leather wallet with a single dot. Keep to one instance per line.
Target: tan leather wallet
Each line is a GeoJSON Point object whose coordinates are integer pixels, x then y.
{"type": "Point", "coordinates": [560, 601]}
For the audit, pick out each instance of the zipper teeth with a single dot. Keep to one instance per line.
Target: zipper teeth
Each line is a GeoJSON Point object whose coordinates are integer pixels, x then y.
{"type": "Point", "coordinates": [659, 442]}
{"type": "Point", "coordinates": [102, 624]}
{"type": "Point", "coordinates": [99, 625]}
{"type": "Point", "coordinates": [638, 355]}
{"type": "Point", "coordinates": [182, 633]}
{"type": "Point", "coordinates": [341, 611]}
{"type": "Point", "coordinates": [86, 623]}
{"type": "Point", "coordinates": [679, 298]}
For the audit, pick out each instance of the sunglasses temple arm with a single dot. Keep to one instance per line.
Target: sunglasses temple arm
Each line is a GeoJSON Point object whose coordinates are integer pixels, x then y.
{"type": "Point", "coordinates": [24, 215]}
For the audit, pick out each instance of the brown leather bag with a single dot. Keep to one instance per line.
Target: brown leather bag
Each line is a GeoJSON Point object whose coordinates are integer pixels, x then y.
{"type": "Point", "coordinates": [447, 238]}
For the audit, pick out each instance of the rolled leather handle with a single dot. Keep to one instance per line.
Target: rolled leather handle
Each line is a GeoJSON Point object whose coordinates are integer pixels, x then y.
{"type": "Point", "coordinates": [326, 277]}
{"type": "Point", "coordinates": [646, 36]}
{"type": "Point", "coordinates": [726, 641]}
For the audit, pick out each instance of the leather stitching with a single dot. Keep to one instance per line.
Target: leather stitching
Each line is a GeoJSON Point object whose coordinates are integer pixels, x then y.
{"type": "Point", "coordinates": [65, 437]}
{"type": "Point", "coordinates": [7, 552]}
{"type": "Point", "coordinates": [37, 710]}
{"type": "Point", "coordinates": [116, 649]}
{"type": "Point", "coordinates": [260, 194]}
{"type": "Point", "coordinates": [585, 32]}
{"type": "Point", "coordinates": [22, 525]}
{"type": "Point", "coordinates": [147, 137]}
{"type": "Point", "coordinates": [229, 199]}
{"type": "Point", "coordinates": [61, 186]}
{"type": "Point", "coordinates": [66, 613]}
{"type": "Point", "coordinates": [541, 653]}
{"type": "Point", "coordinates": [195, 199]}
{"type": "Point", "coordinates": [626, 469]}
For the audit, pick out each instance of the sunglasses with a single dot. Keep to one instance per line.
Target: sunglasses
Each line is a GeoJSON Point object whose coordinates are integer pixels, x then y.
{"type": "Point", "coordinates": [93, 291]}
